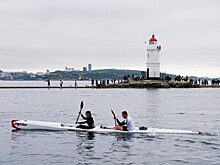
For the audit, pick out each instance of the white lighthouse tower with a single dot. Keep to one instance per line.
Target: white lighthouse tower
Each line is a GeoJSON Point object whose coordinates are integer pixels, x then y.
{"type": "Point", "coordinates": [153, 64]}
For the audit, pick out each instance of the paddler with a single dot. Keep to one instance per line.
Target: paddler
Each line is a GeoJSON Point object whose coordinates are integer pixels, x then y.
{"type": "Point", "coordinates": [126, 125]}
{"type": "Point", "coordinates": [88, 120]}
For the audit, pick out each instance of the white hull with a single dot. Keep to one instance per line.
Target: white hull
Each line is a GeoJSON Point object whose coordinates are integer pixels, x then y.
{"type": "Point", "coordinates": [56, 126]}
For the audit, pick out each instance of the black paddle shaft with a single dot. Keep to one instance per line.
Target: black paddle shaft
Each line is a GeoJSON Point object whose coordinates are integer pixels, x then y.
{"type": "Point", "coordinates": [114, 116]}
{"type": "Point", "coordinates": [81, 107]}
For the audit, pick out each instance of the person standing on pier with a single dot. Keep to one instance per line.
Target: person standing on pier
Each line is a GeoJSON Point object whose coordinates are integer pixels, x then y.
{"type": "Point", "coordinates": [48, 83]}
{"type": "Point", "coordinates": [92, 82]}
{"type": "Point", "coordinates": [76, 84]}
{"type": "Point", "coordinates": [61, 83]}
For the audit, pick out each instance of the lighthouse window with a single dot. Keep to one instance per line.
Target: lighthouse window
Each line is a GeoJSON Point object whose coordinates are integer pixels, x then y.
{"type": "Point", "coordinates": [147, 55]}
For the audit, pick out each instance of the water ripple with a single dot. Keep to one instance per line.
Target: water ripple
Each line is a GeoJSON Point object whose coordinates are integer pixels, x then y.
{"type": "Point", "coordinates": [183, 109]}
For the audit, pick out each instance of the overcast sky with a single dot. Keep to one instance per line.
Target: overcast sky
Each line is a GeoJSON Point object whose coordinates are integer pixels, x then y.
{"type": "Point", "coordinates": [36, 35]}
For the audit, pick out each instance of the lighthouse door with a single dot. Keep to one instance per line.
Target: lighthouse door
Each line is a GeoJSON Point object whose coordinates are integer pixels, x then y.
{"type": "Point", "coordinates": [148, 71]}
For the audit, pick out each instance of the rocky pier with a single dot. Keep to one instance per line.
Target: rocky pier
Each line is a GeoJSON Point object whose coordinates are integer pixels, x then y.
{"type": "Point", "coordinates": [152, 84]}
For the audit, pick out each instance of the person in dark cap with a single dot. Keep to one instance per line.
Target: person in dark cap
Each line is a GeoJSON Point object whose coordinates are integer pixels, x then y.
{"type": "Point", "coordinates": [88, 120]}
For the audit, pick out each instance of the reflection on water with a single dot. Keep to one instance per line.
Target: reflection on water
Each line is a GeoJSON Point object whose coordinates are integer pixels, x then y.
{"type": "Point", "coordinates": [85, 145]}
{"type": "Point", "coordinates": [123, 137]}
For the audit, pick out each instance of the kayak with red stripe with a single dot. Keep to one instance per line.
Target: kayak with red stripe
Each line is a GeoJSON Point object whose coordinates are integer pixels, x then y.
{"type": "Point", "coordinates": [58, 126]}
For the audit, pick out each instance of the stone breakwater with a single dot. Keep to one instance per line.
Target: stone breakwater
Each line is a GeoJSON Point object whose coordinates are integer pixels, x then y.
{"type": "Point", "coordinates": [130, 84]}
{"type": "Point", "coordinates": [152, 84]}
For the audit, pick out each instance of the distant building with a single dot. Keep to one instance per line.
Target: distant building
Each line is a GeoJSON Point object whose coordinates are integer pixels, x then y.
{"type": "Point", "coordinates": [40, 73]}
{"type": "Point", "coordinates": [153, 64]}
{"type": "Point", "coordinates": [69, 69]}
{"type": "Point", "coordinates": [47, 72]}
{"type": "Point", "coordinates": [84, 69]}
{"type": "Point", "coordinates": [32, 75]}
{"type": "Point", "coordinates": [89, 67]}
{"type": "Point", "coordinates": [5, 74]}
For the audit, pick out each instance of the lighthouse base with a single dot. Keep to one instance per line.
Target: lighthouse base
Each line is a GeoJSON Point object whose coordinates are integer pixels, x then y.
{"type": "Point", "coordinates": [153, 78]}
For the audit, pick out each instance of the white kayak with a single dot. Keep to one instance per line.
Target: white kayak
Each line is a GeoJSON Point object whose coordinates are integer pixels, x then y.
{"type": "Point", "coordinates": [57, 126]}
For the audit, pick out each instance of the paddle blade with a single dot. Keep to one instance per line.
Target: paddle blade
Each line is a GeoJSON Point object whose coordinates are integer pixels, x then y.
{"type": "Point", "coordinates": [114, 116]}
{"type": "Point", "coordinates": [81, 105]}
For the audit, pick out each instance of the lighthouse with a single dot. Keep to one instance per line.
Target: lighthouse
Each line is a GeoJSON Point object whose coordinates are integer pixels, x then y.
{"type": "Point", "coordinates": [153, 64]}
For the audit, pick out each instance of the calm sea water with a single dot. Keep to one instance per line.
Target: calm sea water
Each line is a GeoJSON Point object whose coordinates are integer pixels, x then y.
{"type": "Point", "coordinates": [191, 109]}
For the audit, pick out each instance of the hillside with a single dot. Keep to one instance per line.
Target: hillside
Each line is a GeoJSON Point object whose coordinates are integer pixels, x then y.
{"type": "Point", "coordinates": [99, 74]}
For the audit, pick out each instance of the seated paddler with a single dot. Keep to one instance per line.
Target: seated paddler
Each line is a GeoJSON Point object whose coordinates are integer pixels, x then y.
{"type": "Point", "coordinates": [88, 123]}
{"type": "Point", "coordinates": [126, 125]}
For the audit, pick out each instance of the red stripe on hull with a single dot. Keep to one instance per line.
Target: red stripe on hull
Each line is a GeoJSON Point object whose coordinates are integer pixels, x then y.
{"type": "Point", "coordinates": [14, 125]}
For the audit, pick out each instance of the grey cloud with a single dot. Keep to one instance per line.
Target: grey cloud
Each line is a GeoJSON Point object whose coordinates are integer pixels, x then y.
{"type": "Point", "coordinates": [109, 33]}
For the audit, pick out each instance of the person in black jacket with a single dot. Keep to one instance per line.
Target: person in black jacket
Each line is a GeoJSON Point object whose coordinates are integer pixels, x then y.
{"type": "Point", "coordinates": [88, 120]}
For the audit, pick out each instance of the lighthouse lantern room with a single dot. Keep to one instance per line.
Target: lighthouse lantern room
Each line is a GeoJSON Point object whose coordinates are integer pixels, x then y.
{"type": "Point", "coordinates": [153, 64]}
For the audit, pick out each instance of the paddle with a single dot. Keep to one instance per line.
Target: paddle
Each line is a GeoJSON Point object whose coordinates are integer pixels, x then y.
{"type": "Point", "coordinates": [114, 116]}
{"type": "Point", "coordinates": [81, 107]}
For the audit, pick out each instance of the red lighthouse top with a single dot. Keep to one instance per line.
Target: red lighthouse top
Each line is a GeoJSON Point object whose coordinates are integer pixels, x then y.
{"type": "Point", "coordinates": [153, 38]}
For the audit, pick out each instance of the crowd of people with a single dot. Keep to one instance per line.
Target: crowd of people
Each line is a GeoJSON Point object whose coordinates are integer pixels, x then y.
{"type": "Point", "coordinates": [139, 77]}
{"type": "Point", "coordinates": [203, 82]}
